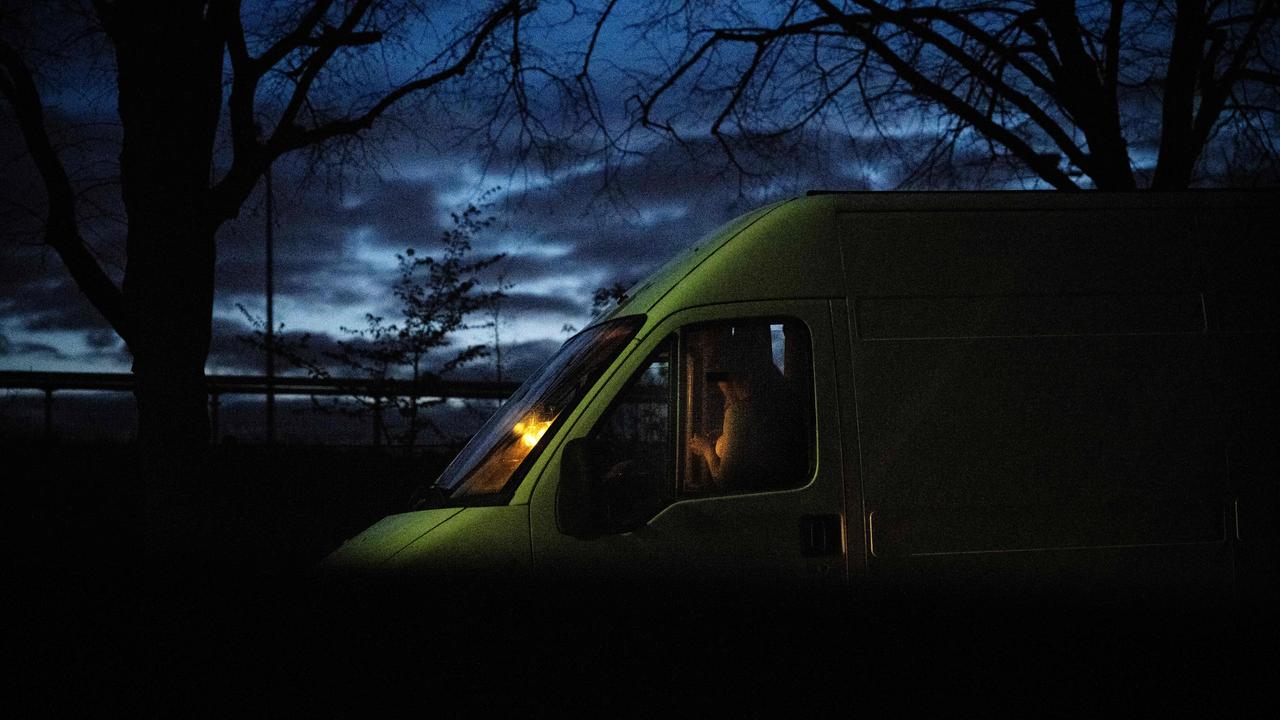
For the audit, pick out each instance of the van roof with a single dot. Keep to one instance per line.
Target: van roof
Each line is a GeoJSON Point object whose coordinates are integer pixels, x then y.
{"type": "Point", "coordinates": [925, 200]}
{"type": "Point", "coordinates": [790, 249]}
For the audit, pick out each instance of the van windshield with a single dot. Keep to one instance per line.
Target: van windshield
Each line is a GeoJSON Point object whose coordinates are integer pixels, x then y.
{"type": "Point", "coordinates": [489, 462]}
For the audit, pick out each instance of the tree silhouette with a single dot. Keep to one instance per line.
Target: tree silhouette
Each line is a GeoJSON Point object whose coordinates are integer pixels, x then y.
{"type": "Point", "coordinates": [605, 296]}
{"type": "Point", "coordinates": [1076, 94]}
{"type": "Point", "coordinates": [210, 93]}
{"type": "Point", "coordinates": [435, 296]}
{"type": "Point", "coordinates": [501, 286]}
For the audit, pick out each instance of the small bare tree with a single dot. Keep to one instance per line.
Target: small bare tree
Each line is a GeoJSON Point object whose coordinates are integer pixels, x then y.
{"type": "Point", "coordinates": [436, 297]}
{"type": "Point", "coordinates": [501, 286]}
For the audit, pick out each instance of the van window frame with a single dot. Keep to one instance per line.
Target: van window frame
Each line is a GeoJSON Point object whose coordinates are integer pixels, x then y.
{"type": "Point", "coordinates": [677, 338]}
{"type": "Point", "coordinates": [810, 408]}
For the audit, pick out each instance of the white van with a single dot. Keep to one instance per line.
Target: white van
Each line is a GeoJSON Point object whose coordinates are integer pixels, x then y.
{"type": "Point", "coordinates": [1007, 392]}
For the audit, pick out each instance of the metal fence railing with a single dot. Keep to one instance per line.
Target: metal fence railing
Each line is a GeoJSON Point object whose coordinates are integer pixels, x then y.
{"type": "Point", "coordinates": [378, 392]}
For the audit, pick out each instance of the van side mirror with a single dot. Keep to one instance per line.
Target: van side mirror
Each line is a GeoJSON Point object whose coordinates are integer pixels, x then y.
{"type": "Point", "coordinates": [604, 490]}
{"type": "Point", "coordinates": [582, 505]}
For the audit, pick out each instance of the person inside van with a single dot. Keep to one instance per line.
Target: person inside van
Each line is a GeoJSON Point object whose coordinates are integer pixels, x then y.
{"type": "Point", "coordinates": [761, 443]}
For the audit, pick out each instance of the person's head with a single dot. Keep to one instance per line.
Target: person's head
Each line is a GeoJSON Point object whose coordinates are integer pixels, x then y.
{"type": "Point", "coordinates": [733, 385]}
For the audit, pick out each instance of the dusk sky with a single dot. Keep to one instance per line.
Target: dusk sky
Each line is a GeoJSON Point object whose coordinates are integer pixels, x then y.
{"type": "Point", "coordinates": [566, 231]}
{"type": "Point", "coordinates": [568, 227]}
{"type": "Point", "coordinates": [335, 254]}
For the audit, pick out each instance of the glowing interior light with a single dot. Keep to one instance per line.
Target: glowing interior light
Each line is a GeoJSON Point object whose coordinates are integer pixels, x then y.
{"type": "Point", "coordinates": [532, 432]}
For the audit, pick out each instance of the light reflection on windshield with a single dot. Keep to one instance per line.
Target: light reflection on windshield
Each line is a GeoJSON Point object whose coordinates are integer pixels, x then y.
{"type": "Point", "coordinates": [492, 457]}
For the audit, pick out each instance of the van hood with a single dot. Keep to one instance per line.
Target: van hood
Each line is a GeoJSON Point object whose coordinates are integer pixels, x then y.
{"type": "Point", "coordinates": [373, 547]}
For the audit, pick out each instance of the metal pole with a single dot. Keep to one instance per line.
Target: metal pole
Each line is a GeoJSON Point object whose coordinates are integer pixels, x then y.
{"type": "Point", "coordinates": [48, 414]}
{"type": "Point", "coordinates": [215, 402]}
{"type": "Point", "coordinates": [271, 315]}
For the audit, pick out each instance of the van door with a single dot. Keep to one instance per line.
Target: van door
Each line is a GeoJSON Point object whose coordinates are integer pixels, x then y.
{"type": "Point", "coordinates": [718, 449]}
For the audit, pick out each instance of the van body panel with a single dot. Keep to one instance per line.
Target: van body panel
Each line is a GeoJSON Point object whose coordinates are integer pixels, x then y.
{"type": "Point", "coordinates": [376, 544]}
{"type": "Point", "coordinates": [477, 540]}
{"type": "Point", "coordinates": [1032, 253]}
{"type": "Point", "coordinates": [1039, 391]}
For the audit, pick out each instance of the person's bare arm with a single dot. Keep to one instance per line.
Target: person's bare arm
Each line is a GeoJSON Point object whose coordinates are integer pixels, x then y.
{"type": "Point", "coordinates": [699, 446]}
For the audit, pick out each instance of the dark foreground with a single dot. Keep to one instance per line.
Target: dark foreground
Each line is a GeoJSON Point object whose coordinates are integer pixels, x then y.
{"type": "Point", "coordinates": [208, 646]}
{"type": "Point", "coordinates": [241, 626]}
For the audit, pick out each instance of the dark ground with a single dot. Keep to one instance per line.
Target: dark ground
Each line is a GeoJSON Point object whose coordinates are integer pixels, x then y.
{"type": "Point", "coordinates": [101, 621]}
{"type": "Point", "coordinates": [238, 625]}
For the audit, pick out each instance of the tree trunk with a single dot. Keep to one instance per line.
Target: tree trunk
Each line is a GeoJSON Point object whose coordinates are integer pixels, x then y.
{"type": "Point", "coordinates": [1085, 96]}
{"type": "Point", "coordinates": [170, 70]}
{"type": "Point", "coordinates": [1178, 152]}
{"type": "Point", "coordinates": [173, 302]}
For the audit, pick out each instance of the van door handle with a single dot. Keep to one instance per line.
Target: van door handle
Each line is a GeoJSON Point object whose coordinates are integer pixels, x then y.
{"type": "Point", "coordinates": [820, 535]}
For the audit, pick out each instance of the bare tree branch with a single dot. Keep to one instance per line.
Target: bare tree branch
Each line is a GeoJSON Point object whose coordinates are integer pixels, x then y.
{"type": "Point", "coordinates": [990, 80]}
{"type": "Point", "coordinates": [289, 140]}
{"type": "Point", "coordinates": [1041, 164]}
{"type": "Point", "coordinates": [1217, 91]}
{"type": "Point", "coordinates": [1111, 41]}
{"type": "Point", "coordinates": [1056, 87]}
{"type": "Point", "coordinates": [252, 153]}
{"type": "Point", "coordinates": [295, 39]}
{"type": "Point", "coordinates": [595, 37]}
{"type": "Point", "coordinates": [62, 231]}
{"type": "Point", "coordinates": [313, 64]}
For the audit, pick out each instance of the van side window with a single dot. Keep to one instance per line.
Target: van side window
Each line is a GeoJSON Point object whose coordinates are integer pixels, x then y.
{"type": "Point", "coordinates": [747, 393]}
{"type": "Point", "coordinates": [637, 440]}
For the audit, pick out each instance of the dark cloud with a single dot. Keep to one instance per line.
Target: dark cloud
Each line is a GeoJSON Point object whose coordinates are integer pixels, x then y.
{"type": "Point", "coordinates": [101, 340]}
{"type": "Point", "coordinates": [314, 220]}
{"type": "Point", "coordinates": [37, 294]}
{"type": "Point", "coordinates": [315, 281]}
{"type": "Point", "coordinates": [521, 303]}
{"type": "Point", "coordinates": [235, 350]}
{"type": "Point", "coordinates": [8, 348]}
{"type": "Point", "coordinates": [594, 225]}
{"type": "Point", "coordinates": [65, 308]}
{"type": "Point", "coordinates": [519, 361]}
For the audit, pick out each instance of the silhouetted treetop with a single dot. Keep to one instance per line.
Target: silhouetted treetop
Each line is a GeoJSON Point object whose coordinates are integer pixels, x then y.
{"type": "Point", "coordinates": [1108, 94]}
